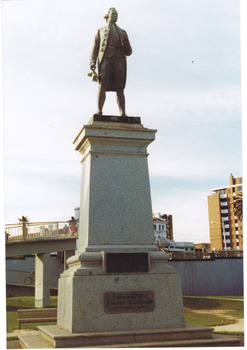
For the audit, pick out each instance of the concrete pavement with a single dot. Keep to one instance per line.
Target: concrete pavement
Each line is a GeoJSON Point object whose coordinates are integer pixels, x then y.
{"type": "Point", "coordinates": [236, 327]}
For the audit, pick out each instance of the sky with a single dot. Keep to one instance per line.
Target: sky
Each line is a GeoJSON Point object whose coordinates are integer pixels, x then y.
{"type": "Point", "coordinates": [183, 79]}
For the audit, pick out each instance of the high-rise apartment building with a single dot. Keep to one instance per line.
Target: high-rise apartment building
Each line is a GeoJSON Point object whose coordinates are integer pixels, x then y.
{"type": "Point", "coordinates": [226, 230]}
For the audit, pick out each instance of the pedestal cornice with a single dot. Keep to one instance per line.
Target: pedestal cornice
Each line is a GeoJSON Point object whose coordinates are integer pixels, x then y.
{"type": "Point", "coordinates": [113, 132]}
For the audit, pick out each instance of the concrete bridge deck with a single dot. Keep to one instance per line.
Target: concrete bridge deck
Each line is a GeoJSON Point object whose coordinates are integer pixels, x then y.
{"type": "Point", "coordinates": [44, 245]}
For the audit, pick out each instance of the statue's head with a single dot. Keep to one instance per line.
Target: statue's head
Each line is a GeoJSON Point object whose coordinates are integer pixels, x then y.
{"type": "Point", "coordinates": [111, 16]}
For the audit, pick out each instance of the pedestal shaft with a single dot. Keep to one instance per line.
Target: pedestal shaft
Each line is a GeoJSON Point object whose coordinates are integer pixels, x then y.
{"type": "Point", "coordinates": [115, 206]}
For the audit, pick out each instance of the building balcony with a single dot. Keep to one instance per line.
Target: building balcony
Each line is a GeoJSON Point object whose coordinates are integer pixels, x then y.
{"type": "Point", "coordinates": [224, 211]}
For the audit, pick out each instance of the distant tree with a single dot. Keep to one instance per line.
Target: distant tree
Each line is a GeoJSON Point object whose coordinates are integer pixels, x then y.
{"type": "Point", "coordinates": [23, 219]}
{"type": "Point", "coordinates": [238, 206]}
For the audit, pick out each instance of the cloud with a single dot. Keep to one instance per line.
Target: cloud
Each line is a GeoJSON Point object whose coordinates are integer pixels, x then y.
{"type": "Point", "coordinates": [200, 105]}
{"type": "Point", "coordinates": [181, 164]}
{"type": "Point", "coordinates": [199, 131]}
{"type": "Point", "coordinates": [48, 98]}
{"type": "Point", "coordinates": [41, 196]}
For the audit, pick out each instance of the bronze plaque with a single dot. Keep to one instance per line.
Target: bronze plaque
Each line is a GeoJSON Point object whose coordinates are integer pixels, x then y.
{"type": "Point", "coordinates": [128, 302]}
{"type": "Point", "coordinates": [126, 262]}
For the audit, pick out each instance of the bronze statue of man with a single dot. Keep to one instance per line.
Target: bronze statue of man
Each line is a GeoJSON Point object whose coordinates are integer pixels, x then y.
{"type": "Point", "coordinates": [111, 46]}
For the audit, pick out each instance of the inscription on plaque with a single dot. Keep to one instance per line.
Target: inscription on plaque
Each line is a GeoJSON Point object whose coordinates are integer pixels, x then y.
{"type": "Point", "coordinates": [128, 302]}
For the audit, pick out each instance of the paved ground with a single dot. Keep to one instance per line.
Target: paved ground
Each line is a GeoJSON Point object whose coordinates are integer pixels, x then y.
{"type": "Point", "coordinates": [236, 327]}
{"type": "Point", "coordinates": [13, 344]}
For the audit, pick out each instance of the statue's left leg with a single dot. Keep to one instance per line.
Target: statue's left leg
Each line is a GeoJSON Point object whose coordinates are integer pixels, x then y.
{"type": "Point", "coordinates": [119, 74]}
{"type": "Point", "coordinates": [101, 98]}
{"type": "Point", "coordinates": [121, 102]}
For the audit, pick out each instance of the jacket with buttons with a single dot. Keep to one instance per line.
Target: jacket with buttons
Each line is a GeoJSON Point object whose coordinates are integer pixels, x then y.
{"type": "Point", "coordinates": [101, 44]}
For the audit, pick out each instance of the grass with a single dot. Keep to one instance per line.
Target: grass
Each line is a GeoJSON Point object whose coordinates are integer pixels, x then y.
{"type": "Point", "coordinates": [202, 311]}
{"type": "Point", "coordinates": [226, 297]}
{"type": "Point", "coordinates": [212, 311]}
{"type": "Point", "coordinates": [228, 332]}
{"type": "Point", "coordinates": [16, 303]}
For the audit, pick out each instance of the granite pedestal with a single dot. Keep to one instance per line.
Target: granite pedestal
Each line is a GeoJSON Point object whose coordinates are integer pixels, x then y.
{"type": "Point", "coordinates": [117, 280]}
{"type": "Point", "coordinates": [119, 290]}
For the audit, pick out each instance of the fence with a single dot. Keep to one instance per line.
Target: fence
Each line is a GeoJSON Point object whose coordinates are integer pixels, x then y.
{"type": "Point", "coordinates": [217, 273]}
{"type": "Point", "coordinates": [32, 230]}
{"type": "Point", "coordinates": [218, 254]}
{"type": "Point", "coordinates": [221, 276]}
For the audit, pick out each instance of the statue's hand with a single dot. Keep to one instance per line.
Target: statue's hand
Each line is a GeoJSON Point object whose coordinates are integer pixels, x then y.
{"type": "Point", "coordinates": [92, 66]}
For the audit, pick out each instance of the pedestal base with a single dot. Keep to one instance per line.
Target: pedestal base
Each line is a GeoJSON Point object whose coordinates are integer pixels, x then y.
{"type": "Point", "coordinates": [90, 299]}
{"type": "Point", "coordinates": [50, 337]}
{"type": "Point", "coordinates": [63, 339]}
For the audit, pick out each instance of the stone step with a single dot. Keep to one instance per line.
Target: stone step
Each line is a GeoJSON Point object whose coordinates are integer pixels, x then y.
{"type": "Point", "coordinates": [60, 338]}
{"type": "Point", "coordinates": [36, 341]}
{"type": "Point", "coordinates": [190, 336]}
{"type": "Point", "coordinates": [215, 341]}
{"type": "Point", "coordinates": [33, 340]}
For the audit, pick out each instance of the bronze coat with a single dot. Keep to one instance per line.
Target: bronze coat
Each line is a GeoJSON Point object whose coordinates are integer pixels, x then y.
{"type": "Point", "coordinates": [100, 46]}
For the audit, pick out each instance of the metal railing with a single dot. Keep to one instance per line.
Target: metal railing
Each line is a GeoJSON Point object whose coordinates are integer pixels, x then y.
{"type": "Point", "coordinates": [38, 230]}
{"type": "Point", "coordinates": [218, 254]}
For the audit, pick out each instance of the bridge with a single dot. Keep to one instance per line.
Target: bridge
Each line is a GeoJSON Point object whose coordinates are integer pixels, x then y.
{"type": "Point", "coordinates": [40, 239]}
{"type": "Point", "coordinates": [38, 230]}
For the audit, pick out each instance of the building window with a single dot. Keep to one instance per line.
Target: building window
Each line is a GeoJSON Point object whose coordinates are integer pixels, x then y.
{"type": "Point", "coordinates": [154, 227]}
{"type": "Point", "coordinates": [239, 188]}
